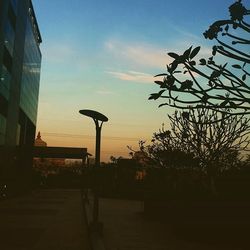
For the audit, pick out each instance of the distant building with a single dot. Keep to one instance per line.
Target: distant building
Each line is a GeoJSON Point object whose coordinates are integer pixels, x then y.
{"type": "Point", "coordinates": [39, 142]}
{"type": "Point", "coordinates": [40, 162]}
{"type": "Point", "coordinates": [20, 62]}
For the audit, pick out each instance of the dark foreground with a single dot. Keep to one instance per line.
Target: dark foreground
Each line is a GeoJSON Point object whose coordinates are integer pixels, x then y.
{"type": "Point", "coordinates": [45, 219]}
{"type": "Point", "coordinates": [126, 227]}
{"type": "Point", "coordinates": [54, 219]}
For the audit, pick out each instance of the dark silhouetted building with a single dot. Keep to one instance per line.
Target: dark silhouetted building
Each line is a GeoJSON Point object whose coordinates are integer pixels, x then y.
{"type": "Point", "coordinates": [20, 62]}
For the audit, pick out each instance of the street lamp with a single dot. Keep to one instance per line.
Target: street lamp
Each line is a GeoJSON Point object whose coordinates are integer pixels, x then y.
{"type": "Point", "coordinates": [98, 119]}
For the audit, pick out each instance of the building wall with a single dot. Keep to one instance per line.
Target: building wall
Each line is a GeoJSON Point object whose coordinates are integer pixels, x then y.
{"type": "Point", "coordinates": [20, 62]}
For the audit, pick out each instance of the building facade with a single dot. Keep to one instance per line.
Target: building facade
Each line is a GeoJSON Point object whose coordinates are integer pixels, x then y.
{"type": "Point", "coordinates": [20, 62]}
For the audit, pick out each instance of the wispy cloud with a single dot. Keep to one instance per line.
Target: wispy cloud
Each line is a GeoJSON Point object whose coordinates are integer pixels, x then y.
{"type": "Point", "coordinates": [152, 56]}
{"type": "Point", "coordinates": [133, 76]}
{"type": "Point", "coordinates": [142, 54]}
{"type": "Point", "coordinates": [187, 35]}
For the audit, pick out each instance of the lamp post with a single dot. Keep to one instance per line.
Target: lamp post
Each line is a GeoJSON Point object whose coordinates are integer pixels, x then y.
{"type": "Point", "coordinates": [98, 119]}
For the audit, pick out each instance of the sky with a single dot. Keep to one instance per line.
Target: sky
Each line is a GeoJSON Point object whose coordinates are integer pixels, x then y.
{"type": "Point", "coordinates": [102, 55]}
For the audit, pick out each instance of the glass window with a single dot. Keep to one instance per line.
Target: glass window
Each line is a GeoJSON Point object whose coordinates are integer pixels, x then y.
{"type": "Point", "coordinates": [7, 59]}
{"type": "Point", "coordinates": [14, 4]}
{"type": "Point", "coordinates": [9, 37]}
{"type": "Point", "coordinates": [2, 129]}
{"type": "Point", "coordinates": [5, 82]}
{"type": "Point", "coordinates": [12, 16]}
{"type": "Point", "coordinates": [31, 74]}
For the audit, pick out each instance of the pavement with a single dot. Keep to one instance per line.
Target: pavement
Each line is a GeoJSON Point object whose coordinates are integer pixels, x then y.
{"type": "Point", "coordinates": [125, 227]}
{"type": "Point", "coordinates": [56, 219]}
{"type": "Point", "coordinates": [44, 219]}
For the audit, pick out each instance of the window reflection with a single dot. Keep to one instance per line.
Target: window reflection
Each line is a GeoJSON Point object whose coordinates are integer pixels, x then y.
{"type": "Point", "coordinates": [5, 82]}
{"type": "Point", "coordinates": [31, 74]}
{"type": "Point", "coordinates": [9, 35]}
{"type": "Point", "coordinates": [14, 4]}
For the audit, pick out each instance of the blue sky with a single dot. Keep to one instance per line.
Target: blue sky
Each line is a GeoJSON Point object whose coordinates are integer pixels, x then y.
{"type": "Point", "coordinates": [102, 55]}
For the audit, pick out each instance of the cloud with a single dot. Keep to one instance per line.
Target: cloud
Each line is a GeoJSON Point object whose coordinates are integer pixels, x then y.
{"type": "Point", "coordinates": [152, 56]}
{"type": "Point", "coordinates": [187, 35]}
{"type": "Point", "coordinates": [142, 54]}
{"type": "Point", "coordinates": [133, 76]}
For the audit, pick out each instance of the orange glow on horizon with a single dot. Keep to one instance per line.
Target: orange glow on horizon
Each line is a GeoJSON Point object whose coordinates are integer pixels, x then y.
{"type": "Point", "coordinates": [110, 145]}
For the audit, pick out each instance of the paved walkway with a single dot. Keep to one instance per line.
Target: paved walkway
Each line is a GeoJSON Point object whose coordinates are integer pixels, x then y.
{"type": "Point", "coordinates": [54, 220]}
{"type": "Point", "coordinates": [126, 228]}
{"type": "Point", "coordinates": [44, 220]}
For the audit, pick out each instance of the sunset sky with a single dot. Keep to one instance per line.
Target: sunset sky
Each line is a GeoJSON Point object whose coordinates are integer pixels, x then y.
{"type": "Point", "coordinates": [102, 55]}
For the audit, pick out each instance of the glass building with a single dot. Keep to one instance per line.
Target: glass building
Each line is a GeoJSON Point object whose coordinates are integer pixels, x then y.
{"type": "Point", "coordinates": [20, 62]}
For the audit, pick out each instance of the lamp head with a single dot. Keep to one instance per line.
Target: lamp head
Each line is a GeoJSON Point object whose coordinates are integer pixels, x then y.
{"type": "Point", "coordinates": [94, 114]}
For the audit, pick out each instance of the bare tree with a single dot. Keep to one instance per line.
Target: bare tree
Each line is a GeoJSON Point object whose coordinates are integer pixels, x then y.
{"type": "Point", "coordinates": [215, 139]}
{"type": "Point", "coordinates": [203, 141]}
{"type": "Point", "coordinates": [165, 151]}
{"type": "Point", "coordinates": [194, 82]}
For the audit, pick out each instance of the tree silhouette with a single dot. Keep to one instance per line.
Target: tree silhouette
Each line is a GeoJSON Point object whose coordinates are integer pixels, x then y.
{"type": "Point", "coordinates": [166, 151]}
{"type": "Point", "coordinates": [208, 142]}
{"type": "Point", "coordinates": [214, 138]}
{"type": "Point", "coordinates": [193, 82]}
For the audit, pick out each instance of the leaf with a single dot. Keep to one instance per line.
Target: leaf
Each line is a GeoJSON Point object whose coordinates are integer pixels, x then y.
{"type": "Point", "coordinates": [193, 63]}
{"type": "Point", "coordinates": [163, 74]}
{"type": "Point", "coordinates": [173, 67]}
{"type": "Point", "coordinates": [153, 96]}
{"type": "Point", "coordinates": [170, 80]}
{"type": "Point", "coordinates": [244, 77]}
{"type": "Point", "coordinates": [186, 85]}
{"type": "Point", "coordinates": [215, 74]}
{"type": "Point", "coordinates": [159, 82]}
{"type": "Point", "coordinates": [202, 61]}
{"type": "Point", "coordinates": [163, 104]}
{"type": "Point", "coordinates": [157, 95]}
{"type": "Point", "coordinates": [237, 66]}
{"type": "Point", "coordinates": [187, 53]}
{"type": "Point", "coordinates": [195, 52]}
{"type": "Point", "coordinates": [210, 61]}
{"type": "Point", "coordinates": [174, 55]}
{"type": "Point", "coordinates": [160, 92]}
{"type": "Point", "coordinates": [233, 105]}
